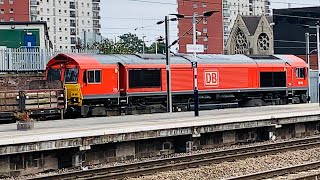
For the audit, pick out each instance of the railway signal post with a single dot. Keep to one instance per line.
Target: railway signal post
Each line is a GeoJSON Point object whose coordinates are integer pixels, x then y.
{"type": "Point", "coordinates": [195, 70]}
{"type": "Point", "coordinates": [194, 48]}
{"type": "Point", "coordinates": [318, 52]}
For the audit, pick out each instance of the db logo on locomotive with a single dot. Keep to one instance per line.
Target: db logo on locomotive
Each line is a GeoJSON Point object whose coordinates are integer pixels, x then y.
{"type": "Point", "coordinates": [211, 78]}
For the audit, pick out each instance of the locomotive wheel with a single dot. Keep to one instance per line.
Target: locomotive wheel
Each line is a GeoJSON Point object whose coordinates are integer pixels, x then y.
{"type": "Point", "coordinates": [254, 103]}
{"type": "Point", "coordinates": [304, 98]}
{"type": "Point", "coordinates": [296, 100]}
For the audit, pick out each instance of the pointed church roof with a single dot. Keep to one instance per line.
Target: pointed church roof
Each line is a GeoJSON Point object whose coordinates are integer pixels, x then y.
{"type": "Point", "coordinates": [270, 19]}
{"type": "Point", "coordinates": [251, 23]}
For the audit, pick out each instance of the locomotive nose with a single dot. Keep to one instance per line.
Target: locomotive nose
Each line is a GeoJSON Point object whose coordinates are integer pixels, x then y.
{"type": "Point", "coordinates": [74, 95]}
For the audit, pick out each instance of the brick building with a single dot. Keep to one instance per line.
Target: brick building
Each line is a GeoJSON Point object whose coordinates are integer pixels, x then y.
{"type": "Point", "coordinates": [211, 28]}
{"type": "Point", "coordinates": [14, 10]}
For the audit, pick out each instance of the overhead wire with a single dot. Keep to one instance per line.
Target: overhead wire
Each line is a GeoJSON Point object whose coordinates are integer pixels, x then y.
{"type": "Point", "coordinates": [168, 3]}
{"type": "Point", "coordinates": [217, 3]}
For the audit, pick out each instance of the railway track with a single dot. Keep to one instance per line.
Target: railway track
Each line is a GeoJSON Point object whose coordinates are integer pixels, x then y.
{"type": "Point", "coordinates": [309, 177]}
{"type": "Point", "coordinates": [188, 161]}
{"type": "Point", "coordinates": [281, 172]}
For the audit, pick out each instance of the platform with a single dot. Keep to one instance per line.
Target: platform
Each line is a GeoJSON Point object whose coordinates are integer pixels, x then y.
{"type": "Point", "coordinates": [83, 133]}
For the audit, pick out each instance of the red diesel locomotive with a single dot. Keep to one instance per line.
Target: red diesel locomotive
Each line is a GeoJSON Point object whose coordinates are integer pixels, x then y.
{"type": "Point", "coordinates": [98, 84]}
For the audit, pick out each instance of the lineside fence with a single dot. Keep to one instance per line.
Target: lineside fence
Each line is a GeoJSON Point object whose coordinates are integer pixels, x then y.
{"type": "Point", "coordinates": [314, 86]}
{"type": "Point", "coordinates": [29, 59]}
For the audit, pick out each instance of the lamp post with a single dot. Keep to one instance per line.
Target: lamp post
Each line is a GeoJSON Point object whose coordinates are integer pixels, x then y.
{"type": "Point", "coordinates": [168, 64]}
{"type": "Point", "coordinates": [317, 27]}
{"type": "Point", "coordinates": [308, 52]}
{"type": "Point", "coordinates": [168, 70]}
{"type": "Point", "coordinates": [143, 44]}
{"type": "Point", "coordinates": [158, 39]}
{"type": "Point", "coordinates": [308, 61]}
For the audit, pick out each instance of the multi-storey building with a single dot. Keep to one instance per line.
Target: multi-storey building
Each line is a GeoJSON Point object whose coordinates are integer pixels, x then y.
{"type": "Point", "coordinates": [210, 28]}
{"type": "Point", "coordinates": [233, 8]}
{"type": "Point", "coordinates": [14, 10]}
{"type": "Point", "coordinates": [68, 21]}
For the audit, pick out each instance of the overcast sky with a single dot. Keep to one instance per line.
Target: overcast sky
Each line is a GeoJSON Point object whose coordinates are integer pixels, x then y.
{"type": "Point", "coordinates": [122, 16]}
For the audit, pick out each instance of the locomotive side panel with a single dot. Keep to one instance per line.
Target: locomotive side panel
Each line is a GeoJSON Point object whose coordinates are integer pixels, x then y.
{"type": "Point", "coordinates": [222, 77]}
{"type": "Point", "coordinates": [181, 80]}
{"type": "Point", "coordinates": [99, 82]}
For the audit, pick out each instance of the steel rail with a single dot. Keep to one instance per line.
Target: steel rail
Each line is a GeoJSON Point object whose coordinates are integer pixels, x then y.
{"type": "Point", "coordinates": [315, 176]}
{"type": "Point", "coordinates": [188, 161]}
{"type": "Point", "coordinates": [279, 172]}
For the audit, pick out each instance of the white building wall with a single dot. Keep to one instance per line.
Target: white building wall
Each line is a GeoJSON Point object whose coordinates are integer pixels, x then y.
{"type": "Point", "coordinates": [61, 28]}
{"type": "Point", "coordinates": [66, 19]}
{"type": "Point", "coordinates": [85, 19]}
{"type": "Point", "coordinates": [231, 8]}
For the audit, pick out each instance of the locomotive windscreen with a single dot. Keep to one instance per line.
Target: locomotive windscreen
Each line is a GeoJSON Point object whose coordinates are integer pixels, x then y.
{"type": "Point", "coordinates": [273, 79]}
{"type": "Point", "coordinates": [54, 74]}
{"type": "Point", "coordinates": [144, 78]}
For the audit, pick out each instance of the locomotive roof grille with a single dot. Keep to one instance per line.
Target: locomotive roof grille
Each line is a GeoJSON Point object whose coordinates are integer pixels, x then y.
{"type": "Point", "coordinates": [151, 56]}
{"type": "Point", "coordinates": [268, 57]}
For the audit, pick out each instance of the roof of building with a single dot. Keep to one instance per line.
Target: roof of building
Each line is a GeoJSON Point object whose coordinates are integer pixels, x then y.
{"type": "Point", "coordinates": [251, 23]}
{"type": "Point", "coordinates": [270, 19]}
{"type": "Point", "coordinates": [314, 9]}
{"type": "Point", "coordinates": [25, 23]}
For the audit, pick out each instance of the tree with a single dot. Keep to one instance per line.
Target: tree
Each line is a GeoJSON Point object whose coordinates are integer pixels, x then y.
{"type": "Point", "coordinates": [161, 47]}
{"type": "Point", "coordinates": [127, 44]}
{"type": "Point", "coordinates": [131, 43]}
{"type": "Point", "coordinates": [106, 46]}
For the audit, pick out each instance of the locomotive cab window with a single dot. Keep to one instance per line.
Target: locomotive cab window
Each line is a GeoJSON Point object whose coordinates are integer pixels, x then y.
{"type": "Point", "coordinates": [71, 75]}
{"type": "Point", "coordinates": [94, 76]}
{"type": "Point", "coordinates": [54, 74]}
{"type": "Point", "coordinates": [300, 72]}
{"type": "Point", "coordinates": [144, 78]}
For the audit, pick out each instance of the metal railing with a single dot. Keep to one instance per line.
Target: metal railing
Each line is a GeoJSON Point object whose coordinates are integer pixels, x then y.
{"type": "Point", "coordinates": [314, 86]}
{"type": "Point", "coordinates": [29, 59]}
